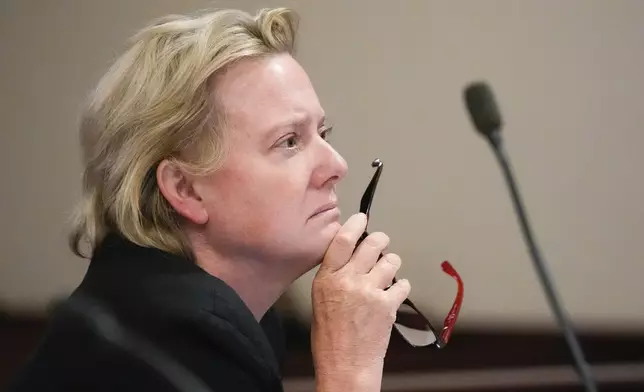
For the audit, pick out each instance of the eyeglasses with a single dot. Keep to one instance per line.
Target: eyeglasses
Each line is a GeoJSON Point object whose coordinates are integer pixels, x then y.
{"type": "Point", "coordinates": [410, 323]}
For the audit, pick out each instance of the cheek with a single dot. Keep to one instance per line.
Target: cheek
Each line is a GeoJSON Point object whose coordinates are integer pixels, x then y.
{"type": "Point", "coordinates": [273, 202]}
{"type": "Point", "coordinates": [254, 208]}
{"type": "Point", "coordinates": [229, 195]}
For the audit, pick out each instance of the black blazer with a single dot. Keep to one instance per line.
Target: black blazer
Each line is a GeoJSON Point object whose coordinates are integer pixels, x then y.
{"type": "Point", "coordinates": [146, 320]}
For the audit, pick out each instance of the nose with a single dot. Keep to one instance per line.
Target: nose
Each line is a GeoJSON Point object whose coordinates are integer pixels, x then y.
{"type": "Point", "coordinates": [330, 167]}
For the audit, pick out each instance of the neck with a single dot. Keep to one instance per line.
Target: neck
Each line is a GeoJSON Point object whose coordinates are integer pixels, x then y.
{"type": "Point", "coordinates": [254, 282]}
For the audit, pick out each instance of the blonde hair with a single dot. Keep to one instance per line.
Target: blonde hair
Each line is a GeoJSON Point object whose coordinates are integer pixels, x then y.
{"type": "Point", "coordinates": [157, 102]}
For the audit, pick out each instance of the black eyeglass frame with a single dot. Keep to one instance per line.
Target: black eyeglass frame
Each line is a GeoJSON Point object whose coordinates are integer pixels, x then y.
{"type": "Point", "coordinates": [442, 338]}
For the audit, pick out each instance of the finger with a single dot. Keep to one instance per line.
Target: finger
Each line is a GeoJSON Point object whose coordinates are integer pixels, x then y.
{"type": "Point", "coordinates": [364, 235]}
{"type": "Point", "coordinates": [368, 252]}
{"type": "Point", "coordinates": [384, 272]}
{"type": "Point", "coordinates": [399, 292]}
{"type": "Point", "coordinates": [344, 242]}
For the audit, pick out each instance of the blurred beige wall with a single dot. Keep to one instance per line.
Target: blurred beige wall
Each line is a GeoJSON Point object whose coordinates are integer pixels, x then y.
{"type": "Point", "coordinates": [570, 81]}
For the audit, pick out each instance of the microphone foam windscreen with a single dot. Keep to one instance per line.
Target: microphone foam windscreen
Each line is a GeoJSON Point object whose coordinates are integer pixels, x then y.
{"type": "Point", "coordinates": [482, 107]}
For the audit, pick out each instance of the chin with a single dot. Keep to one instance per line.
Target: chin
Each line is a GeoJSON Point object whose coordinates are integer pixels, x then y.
{"type": "Point", "coordinates": [312, 251]}
{"type": "Point", "coordinates": [306, 251]}
{"type": "Point", "coordinates": [327, 234]}
{"type": "Point", "coordinates": [322, 243]}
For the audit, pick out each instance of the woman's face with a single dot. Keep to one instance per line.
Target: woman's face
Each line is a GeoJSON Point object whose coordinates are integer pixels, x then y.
{"type": "Point", "coordinates": [279, 170]}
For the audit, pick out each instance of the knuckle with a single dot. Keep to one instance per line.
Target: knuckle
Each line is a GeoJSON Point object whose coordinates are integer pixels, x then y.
{"type": "Point", "coordinates": [378, 298]}
{"type": "Point", "coordinates": [346, 284]}
{"type": "Point", "coordinates": [344, 240]}
{"type": "Point", "coordinates": [393, 259]}
{"type": "Point", "coordinates": [377, 240]}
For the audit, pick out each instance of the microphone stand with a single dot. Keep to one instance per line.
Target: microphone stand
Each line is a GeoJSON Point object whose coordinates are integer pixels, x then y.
{"type": "Point", "coordinates": [583, 369]}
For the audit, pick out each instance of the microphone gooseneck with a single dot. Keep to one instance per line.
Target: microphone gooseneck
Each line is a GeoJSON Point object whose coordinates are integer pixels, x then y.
{"type": "Point", "coordinates": [486, 118]}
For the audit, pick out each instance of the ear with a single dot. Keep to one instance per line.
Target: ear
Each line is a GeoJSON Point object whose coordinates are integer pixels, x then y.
{"type": "Point", "coordinates": [178, 189]}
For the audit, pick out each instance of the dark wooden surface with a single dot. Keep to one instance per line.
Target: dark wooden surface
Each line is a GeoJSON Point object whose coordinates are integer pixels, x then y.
{"type": "Point", "coordinates": [492, 350]}
{"type": "Point", "coordinates": [481, 349]}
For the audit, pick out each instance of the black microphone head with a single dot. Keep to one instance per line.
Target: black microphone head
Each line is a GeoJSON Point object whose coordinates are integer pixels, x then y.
{"type": "Point", "coordinates": [482, 107]}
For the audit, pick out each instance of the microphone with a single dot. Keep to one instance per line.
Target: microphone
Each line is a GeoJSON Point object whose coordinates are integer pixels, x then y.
{"type": "Point", "coordinates": [486, 118]}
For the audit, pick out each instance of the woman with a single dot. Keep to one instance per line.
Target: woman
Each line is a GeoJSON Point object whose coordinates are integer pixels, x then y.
{"type": "Point", "coordinates": [208, 188]}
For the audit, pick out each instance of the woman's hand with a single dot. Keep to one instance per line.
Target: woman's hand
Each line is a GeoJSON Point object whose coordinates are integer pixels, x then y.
{"type": "Point", "coordinates": [353, 314]}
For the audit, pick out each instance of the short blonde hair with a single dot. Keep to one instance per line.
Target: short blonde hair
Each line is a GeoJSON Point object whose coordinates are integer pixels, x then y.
{"type": "Point", "coordinates": [157, 102]}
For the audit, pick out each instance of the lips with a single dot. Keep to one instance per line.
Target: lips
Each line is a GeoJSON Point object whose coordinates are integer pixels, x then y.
{"type": "Point", "coordinates": [324, 208]}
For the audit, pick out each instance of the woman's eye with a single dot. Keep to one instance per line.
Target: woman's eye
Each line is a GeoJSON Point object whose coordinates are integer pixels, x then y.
{"type": "Point", "coordinates": [290, 142]}
{"type": "Point", "coordinates": [326, 132]}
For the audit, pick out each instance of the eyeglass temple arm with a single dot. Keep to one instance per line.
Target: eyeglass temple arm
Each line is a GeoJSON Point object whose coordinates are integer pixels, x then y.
{"type": "Point", "coordinates": [365, 207]}
{"type": "Point", "coordinates": [367, 197]}
{"type": "Point", "coordinates": [450, 320]}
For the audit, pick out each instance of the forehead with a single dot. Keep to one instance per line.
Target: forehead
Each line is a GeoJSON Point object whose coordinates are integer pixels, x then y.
{"type": "Point", "coordinates": [260, 94]}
